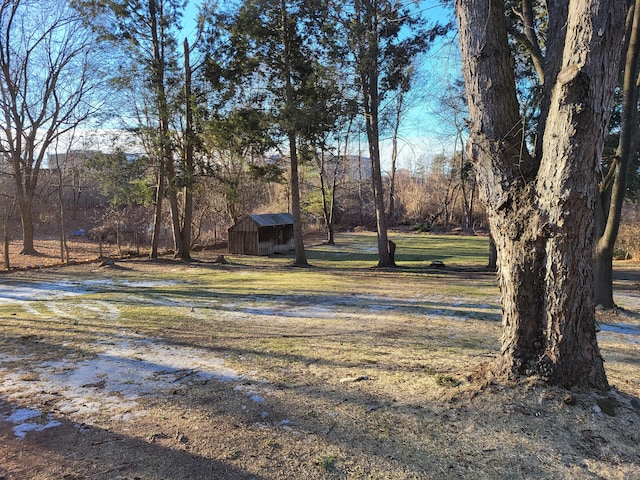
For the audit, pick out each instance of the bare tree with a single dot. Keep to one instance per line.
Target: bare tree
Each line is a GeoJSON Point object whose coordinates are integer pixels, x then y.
{"type": "Point", "coordinates": [540, 204]}
{"type": "Point", "coordinates": [46, 88]}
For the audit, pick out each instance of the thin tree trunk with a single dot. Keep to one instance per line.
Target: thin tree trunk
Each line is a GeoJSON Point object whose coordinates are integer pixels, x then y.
{"type": "Point", "coordinates": [609, 217]}
{"type": "Point", "coordinates": [174, 206]}
{"type": "Point", "coordinates": [6, 240]}
{"type": "Point", "coordinates": [332, 211]}
{"type": "Point", "coordinates": [369, 76]}
{"type": "Point", "coordinates": [118, 235]}
{"type": "Point", "coordinates": [64, 249]}
{"type": "Point", "coordinates": [394, 157]}
{"type": "Point", "coordinates": [187, 192]}
{"type": "Point", "coordinates": [157, 217]}
{"type": "Point", "coordinates": [325, 200]}
{"type": "Point", "coordinates": [296, 212]}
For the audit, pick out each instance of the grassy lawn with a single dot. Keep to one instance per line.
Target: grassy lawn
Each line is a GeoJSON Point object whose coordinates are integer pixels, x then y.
{"type": "Point", "coordinates": [256, 369]}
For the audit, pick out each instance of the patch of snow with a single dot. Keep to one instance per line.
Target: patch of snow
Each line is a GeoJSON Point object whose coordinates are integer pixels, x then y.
{"type": "Point", "coordinates": [378, 308]}
{"type": "Point", "coordinates": [39, 291]}
{"type": "Point", "coordinates": [148, 283]}
{"type": "Point", "coordinates": [121, 373]}
{"type": "Point", "coordinates": [20, 293]}
{"type": "Point", "coordinates": [21, 430]}
{"type": "Point", "coordinates": [251, 393]}
{"type": "Point", "coordinates": [22, 418]}
{"type": "Point", "coordinates": [288, 311]}
{"type": "Point", "coordinates": [23, 414]}
{"type": "Point", "coordinates": [620, 328]}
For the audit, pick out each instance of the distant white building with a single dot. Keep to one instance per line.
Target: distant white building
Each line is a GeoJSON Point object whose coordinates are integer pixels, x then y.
{"type": "Point", "coordinates": [72, 160]}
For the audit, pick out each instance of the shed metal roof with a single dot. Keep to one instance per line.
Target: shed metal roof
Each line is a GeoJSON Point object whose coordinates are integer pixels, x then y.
{"type": "Point", "coordinates": [268, 219]}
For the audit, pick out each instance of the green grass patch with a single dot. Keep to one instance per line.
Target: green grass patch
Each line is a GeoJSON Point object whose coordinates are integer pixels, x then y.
{"type": "Point", "coordinates": [326, 462]}
{"type": "Point", "coordinates": [360, 250]}
{"type": "Point", "coordinates": [447, 381]}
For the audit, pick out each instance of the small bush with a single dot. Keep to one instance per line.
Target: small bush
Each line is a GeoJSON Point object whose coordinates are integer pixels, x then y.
{"type": "Point", "coordinates": [328, 462]}
{"type": "Point", "coordinates": [447, 381]}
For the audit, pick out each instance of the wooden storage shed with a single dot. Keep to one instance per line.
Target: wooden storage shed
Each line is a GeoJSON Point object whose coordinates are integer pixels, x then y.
{"type": "Point", "coordinates": [262, 234]}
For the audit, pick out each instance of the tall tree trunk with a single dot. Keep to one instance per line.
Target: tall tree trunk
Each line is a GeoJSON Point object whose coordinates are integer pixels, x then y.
{"type": "Point", "coordinates": [296, 211]}
{"type": "Point", "coordinates": [187, 190]}
{"type": "Point", "coordinates": [394, 157]}
{"type": "Point", "coordinates": [165, 149]}
{"type": "Point", "coordinates": [369, 77]}
{"type": "Point", "coordinates": [614, 188]}
{"type": "Point", "coordinates": [541, 208]}
{"type": "Point", "coordinates": [301, 256]}
{"type": "Point", "coordinates": [157, 216]}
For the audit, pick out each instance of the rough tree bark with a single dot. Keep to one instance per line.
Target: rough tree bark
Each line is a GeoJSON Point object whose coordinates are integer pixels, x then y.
{"type": "Point", "coordinates": [540, 206]}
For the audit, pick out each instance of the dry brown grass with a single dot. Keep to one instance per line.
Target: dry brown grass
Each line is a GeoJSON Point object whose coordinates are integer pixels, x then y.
{"type": "Point", "coordinates": [80, 251]}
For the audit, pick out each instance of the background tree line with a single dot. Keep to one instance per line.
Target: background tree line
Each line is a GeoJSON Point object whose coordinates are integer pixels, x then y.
{"type": "Point", "coordinates": [276, 85]}
{"type": "Point", "coordinates": [265, 89]}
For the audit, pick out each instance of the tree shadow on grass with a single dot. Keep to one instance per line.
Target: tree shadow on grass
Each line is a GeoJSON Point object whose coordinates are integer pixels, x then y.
{"type": "Point", "coordinates": [71, 450]}
{"type": "Point", "coordinates": [290, 424]}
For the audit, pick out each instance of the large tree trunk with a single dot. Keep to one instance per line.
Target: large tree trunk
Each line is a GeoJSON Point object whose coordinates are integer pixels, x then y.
{"type": "Point", "coordinates": [165, 151]}
{"type": "Point", "coordinates": [25, 207]}
{"type": "Point", "coordinates": [25, 175]}
{"type": "Point", "coordinates": [541, 207]}
{"type": "Point", "coordinates": [384, 257]}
